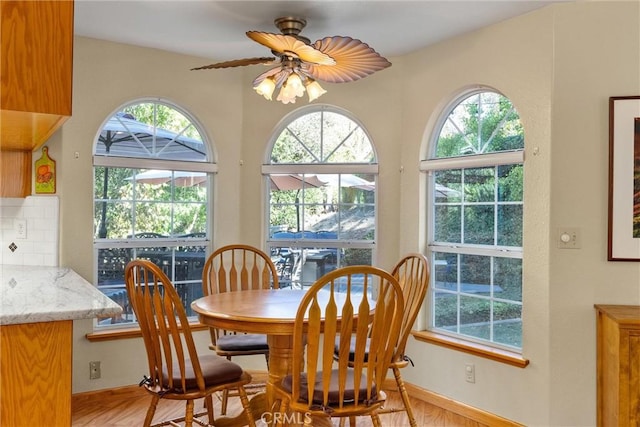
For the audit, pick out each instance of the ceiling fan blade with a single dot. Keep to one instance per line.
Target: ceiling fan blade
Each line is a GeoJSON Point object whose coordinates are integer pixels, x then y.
{"type": "Point", "coordinates": [289, 45]}
{"type": "Point", "coordinates": [237, 63]}
{"type": "Point", "coordinates": [354, 60]}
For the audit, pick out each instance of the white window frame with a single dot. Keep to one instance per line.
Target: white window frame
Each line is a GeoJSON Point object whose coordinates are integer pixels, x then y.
{"type": "Point", "coordinates": [208, 166]}
{"type": "Point", "coordinates": [431, 165]}
{"type": "Point", "coordinates": [318, 169]}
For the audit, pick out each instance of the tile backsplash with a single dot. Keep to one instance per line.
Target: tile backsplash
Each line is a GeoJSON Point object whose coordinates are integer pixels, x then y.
{"type": "Point", "coordinates": [39, 244]}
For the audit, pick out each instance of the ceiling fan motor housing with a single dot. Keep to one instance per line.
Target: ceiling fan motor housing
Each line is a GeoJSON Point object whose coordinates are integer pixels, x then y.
{"type": "Point", "coordinates": [291, 26]}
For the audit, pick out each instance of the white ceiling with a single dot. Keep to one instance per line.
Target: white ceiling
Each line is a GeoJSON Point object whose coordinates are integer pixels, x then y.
{"type": "Point", "coordinates": [216, 29]}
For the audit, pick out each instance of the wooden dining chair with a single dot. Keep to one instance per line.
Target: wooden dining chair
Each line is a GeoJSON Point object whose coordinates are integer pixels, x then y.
{"type": "Point", "coordinates": [176, 371]}
{"type": "Point", "coordinates": [353, 304]}
{"type": "Point", "coordinates": [413, 274]}
{"type": "Point", "coordinates": [233, 268]}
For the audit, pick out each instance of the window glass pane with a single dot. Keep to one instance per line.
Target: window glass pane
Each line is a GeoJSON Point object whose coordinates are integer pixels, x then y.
{"type": "Point", "coordinates": [189, 218]}
{"type": "Point", "coordinates": [446, 311]}
{"type": "Point", "coordinates": [448, 224]}
{"type": "Point", "coordinates": [475, 274]}
{"type": "Point", "coordinates": [510, 183]}
{"type": "Point", "coordinates": [508, 278]}
{"type": "Point", "coordinates": [510, 225]}
{"type": "Point", "coordinates": [479, 224]}
{"type": "Point", "coordinates": [507, 325]}
{"type": "Point", "coordinates": [448, 186]}
{"type": "Point", "coordinates": [475, 316]}
{"type": "Point", "coordinates": [445, 271]}
{"type": "Point", "coordinates": [112, 220]}
{"type": "Point", "coordinates": [479, 185]}
{"type": "Point", "coordinates": [481, 123]}
{"type": "Point", "coordinates": [322, 137]}
{"type": "Point", "coordinates": [152, 217]}
{"type": "Point", "coordinates": [151, 130]}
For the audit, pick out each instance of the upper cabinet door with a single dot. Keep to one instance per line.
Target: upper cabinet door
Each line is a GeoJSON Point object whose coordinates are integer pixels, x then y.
{"type": "Point", "coordinates": [36, 70]}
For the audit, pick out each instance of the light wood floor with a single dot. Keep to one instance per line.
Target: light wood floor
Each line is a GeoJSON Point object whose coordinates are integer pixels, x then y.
{"type": "Point", "coordinates": [127, 408]}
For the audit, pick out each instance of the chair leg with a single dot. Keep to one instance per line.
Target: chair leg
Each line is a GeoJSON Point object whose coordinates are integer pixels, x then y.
{"type": "Point", "coordinates": [225, 397]}
{"type": "Point", "coordinates": [208, 403]}
{"type": "Point", "coordinates": [352, 421]}
{"type": "Point", "coordinates": [152, 410]}
{"type": "Point", "coordinates": [188, 416]}
{"type": "Point", "coordinates": [245, 404]}
{"type": "Point", "coordinates": [405, 397]}
{"type": "Point", "coordinates": [376, 420]}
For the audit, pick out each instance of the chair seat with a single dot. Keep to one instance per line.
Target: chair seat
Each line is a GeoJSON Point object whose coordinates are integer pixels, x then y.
{"type": "Point", "coordinates": [215, 370]}
{"type": "Point", "coordinates": [333, 398]}
{"type": "Point", "coordinates": [242, 342]}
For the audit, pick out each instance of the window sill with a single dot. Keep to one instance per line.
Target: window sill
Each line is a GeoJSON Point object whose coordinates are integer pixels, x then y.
{"type": "Point", "coordinates": [480, 350]}
{"type": "Point", "coordinates": [130, 332]}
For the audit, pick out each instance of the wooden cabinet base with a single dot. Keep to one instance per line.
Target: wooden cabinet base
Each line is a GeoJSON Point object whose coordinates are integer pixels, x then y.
{"type": "Point", "coordinates": [35, 374]}
{"type": "Point", "coordinates": [618, 365]}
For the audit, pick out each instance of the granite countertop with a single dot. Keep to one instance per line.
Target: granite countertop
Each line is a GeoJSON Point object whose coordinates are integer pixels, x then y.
{"type": "Point", "coordinates": [31, 294]}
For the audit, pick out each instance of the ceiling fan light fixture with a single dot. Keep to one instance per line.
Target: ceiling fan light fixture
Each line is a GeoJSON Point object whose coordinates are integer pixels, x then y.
{"type": "Point", "coordinates": [266, 87]}
{"type": "Point", "coordinates": [314, 90]}
{"type": "Point", "coordinates": [291, 89]}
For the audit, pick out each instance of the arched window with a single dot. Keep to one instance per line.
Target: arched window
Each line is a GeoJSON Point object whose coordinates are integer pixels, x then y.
{"type": "Point", "coordinates": [321, 194]}
{"type": "Point", "coordinates": [475, 206]}
{"type": "Point", "coordinates": [152, 168]}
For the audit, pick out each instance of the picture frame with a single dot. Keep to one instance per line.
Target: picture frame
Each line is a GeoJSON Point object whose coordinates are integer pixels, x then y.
{"type": "Point", "coordinates": [624, 179]}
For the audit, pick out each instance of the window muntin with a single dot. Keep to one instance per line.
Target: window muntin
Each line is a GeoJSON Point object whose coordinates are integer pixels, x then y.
{"type": "Point", "coordinates": [321, 187]}
{"type": "Point", "coordinates": [150, 207]}
{"type": "Point", "coordinates": [476, 207]}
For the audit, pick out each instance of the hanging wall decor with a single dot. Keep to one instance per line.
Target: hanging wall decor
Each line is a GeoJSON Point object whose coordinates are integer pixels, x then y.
{"type": "Point", "coordinates": [45, 173]}
{"type": "Point", "coordinates": [624, 178]}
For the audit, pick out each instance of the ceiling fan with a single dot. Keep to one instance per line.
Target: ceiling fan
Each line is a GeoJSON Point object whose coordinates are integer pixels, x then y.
{"type": "Point", "coordinates": [299, 64]}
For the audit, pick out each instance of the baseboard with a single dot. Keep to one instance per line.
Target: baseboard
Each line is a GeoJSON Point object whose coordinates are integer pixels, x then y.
{"type": "Point", "coordinates": [435, 399]}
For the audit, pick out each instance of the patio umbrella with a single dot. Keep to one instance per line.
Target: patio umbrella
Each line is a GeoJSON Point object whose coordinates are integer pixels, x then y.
{"type": "Point", "coordinates": [348, 180]}
{"type": "Point", "coordinates": [180, 178]}
{"type": "Point", "coordinates": [292, 181]}
{"type": "Point", "coordinates": [124, 136]}
{"type": "Point", "coordinates": [443, 191]}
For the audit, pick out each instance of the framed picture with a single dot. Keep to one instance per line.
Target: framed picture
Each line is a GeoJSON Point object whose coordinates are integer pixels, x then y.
{"type": "Point", "coordinates": [624, 178]}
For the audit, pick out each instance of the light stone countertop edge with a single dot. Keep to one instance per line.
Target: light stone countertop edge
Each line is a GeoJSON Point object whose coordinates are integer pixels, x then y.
{"type": "Point", "coordinates": [32, 294]}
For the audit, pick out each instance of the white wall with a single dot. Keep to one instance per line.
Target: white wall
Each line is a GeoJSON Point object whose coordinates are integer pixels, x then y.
{"type": "Point", "coordinates": [558, 65]}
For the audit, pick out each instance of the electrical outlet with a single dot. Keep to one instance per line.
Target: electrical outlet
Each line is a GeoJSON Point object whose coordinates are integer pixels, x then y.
{"type": "Point", "coordinates": [470, 373]}
{"type": "Point", "coordinates": [94, 370]}
{"type": "Point", "coordinates": [20, 227]}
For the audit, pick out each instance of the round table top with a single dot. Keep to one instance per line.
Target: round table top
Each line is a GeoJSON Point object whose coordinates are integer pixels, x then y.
{"type": "Point", "coordinates": [270, 311]}
{"type": "Point", "coordinates": [266, 311]}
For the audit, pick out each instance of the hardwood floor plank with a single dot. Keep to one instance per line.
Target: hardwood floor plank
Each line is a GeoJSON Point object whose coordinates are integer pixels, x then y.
{"type": "Point", "coordinates": [127, 406]}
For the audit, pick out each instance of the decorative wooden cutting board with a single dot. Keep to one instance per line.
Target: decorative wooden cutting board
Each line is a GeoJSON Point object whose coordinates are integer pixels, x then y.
{"type": "Point", "coordinates": [45, 171]}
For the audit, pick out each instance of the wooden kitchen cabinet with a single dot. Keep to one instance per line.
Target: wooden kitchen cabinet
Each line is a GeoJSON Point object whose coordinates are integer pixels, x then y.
{"type": "Point", "coordinates": [36, 65]}
{"type": "Point", "coordinates": [618, 365]}
{"type": "Point", "coordinates": [35, 386]}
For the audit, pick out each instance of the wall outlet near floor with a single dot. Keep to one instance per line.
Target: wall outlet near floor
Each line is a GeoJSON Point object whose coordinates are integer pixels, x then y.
{"type": "Point", "coordinates": [470, 373]}
{"type": "Point", "coordinates": [94, 370]}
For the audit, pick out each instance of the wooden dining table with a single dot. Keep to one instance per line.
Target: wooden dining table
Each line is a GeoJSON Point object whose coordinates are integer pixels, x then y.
{"type": "Point", "coordinates": [264, 311]}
